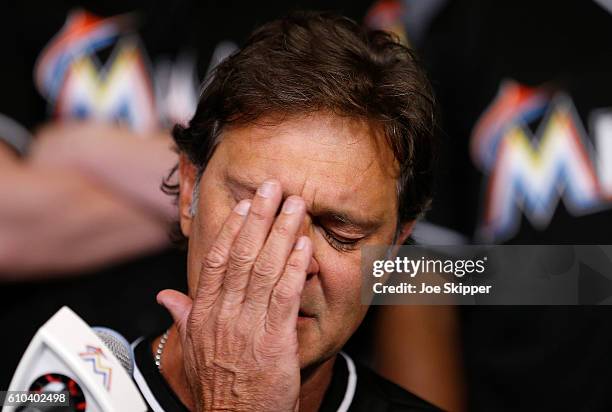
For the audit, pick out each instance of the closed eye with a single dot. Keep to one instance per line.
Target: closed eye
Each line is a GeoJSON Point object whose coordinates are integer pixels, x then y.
{"type": "Point", "coordinates": [338, 242]}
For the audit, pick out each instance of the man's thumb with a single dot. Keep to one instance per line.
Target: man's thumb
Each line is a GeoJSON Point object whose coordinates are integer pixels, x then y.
{"type": "Point", "coordinates": [179, 306]}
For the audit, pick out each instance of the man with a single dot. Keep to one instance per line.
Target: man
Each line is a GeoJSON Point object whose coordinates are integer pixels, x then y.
{"type": "Point", "coordinates": [310, 142]}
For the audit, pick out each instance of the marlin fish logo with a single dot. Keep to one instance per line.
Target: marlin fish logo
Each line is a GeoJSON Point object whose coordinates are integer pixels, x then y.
{"type": "Point", "coordinates": [97, 358]}
{"type": "Point", "coordinates": [77, 84]}
{"type": "Point", "coordinates": [83, 34]}
{"type": "Point", "coordinates": [528, 173]}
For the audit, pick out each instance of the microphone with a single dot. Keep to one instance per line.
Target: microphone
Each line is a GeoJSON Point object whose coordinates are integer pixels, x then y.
{"type": "Point", "coordinates": [120, 347]}
{"type": "Point", "coordinates": [69, 366]}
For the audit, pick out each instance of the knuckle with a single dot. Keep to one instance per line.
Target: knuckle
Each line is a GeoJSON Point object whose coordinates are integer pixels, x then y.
{"type": "Point", "coordinates": [215, 259]}
{"type": "Point", "coordinates": [281, 230]}
{"type": "Point", "coordinates": [264, 267]}
{"type": "Point", "coordinates": [233, 225]}
{"type": "Point", "coordinates": [258, 213]}
{"type": "Point", "coordinates": [242, 330]}
{"type": "Point", "coordinates": [224, 324]}
{"type": "Point", "coordinates": [285, 295]}
{"type": "Point", "coordinates": [241, 254]}
{"type": "Point", "coordinates": [294, 264]}
{"type": "Point", "coordinates": [234, 292]}
{"type": "Point", "coordinates": [256, 302]}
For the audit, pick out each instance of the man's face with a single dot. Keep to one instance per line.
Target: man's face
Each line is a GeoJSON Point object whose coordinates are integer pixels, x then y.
{"type": "Point", "coordinates": [344, 173]}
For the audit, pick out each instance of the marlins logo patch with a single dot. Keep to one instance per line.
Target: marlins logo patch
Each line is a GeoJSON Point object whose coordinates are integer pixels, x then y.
{"type": "Point", "coordinates": [529, 172]}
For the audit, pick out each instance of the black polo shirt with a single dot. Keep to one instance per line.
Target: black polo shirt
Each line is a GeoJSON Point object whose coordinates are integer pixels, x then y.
{"type": "Point", "coordinates": [353, 387]}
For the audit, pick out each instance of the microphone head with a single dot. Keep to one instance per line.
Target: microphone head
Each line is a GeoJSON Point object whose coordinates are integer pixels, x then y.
{"type": "Point", "coordinates": [118, 345]}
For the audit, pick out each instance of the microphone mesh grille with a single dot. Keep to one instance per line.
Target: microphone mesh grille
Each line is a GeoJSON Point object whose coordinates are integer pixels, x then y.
{"type": "Point", "coordinates": [118, 346]}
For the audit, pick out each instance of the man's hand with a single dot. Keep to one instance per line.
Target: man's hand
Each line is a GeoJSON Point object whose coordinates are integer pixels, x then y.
{"type": "Point", "coordinates": [239, 334]}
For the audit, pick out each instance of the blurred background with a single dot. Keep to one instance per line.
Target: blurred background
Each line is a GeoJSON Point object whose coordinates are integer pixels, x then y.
{"type": "Point", "coordinates": [90, 89]}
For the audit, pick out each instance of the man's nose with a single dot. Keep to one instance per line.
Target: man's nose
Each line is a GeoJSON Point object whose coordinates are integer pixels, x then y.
{"type": "Point", "coordinates": [313, 267]}
{"type": "Point", "coordinates": [307, 230]}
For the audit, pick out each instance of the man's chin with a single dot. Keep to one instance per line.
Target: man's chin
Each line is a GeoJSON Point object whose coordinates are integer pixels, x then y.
{"type": "Point", "coordinates": [316, 345]}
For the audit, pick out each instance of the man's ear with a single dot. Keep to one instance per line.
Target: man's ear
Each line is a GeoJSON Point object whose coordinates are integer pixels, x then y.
{"type": "Point", "coordinates": [405, 231]}
{"type": "Point", "coordinates": [187, 180]}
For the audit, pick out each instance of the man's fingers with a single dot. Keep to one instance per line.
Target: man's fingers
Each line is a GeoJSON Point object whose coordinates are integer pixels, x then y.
{"type": "Point", "coordinates": [250, 240]}
{"type": "Point", "coordinates": [285, 298]}
{"type": "Point", "coordinates": [179, 306]}
{"type": "Point", "coordinates": [272, 259]}
{"type": "Point", "coordinates": [214, 265]}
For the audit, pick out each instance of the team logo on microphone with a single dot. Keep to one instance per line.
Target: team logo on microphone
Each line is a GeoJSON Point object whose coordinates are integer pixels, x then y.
{"type": "Point", "coordinates": [98, 361]}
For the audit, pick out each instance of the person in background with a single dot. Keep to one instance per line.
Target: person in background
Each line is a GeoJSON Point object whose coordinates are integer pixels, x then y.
{"type": "Point", "coordinates": [89, 91]}
{"type": "Point", "coordinates": [524, 95]}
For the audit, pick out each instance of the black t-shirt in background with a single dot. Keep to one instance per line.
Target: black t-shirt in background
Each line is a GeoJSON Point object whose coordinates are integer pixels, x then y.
{"type": "Point", "coordinates": [478, 54]}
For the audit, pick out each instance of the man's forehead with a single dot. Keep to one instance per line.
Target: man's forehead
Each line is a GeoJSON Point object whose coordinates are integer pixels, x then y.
{"type": "Point", "coordinates": [334, 146]}
{"type": "Point", "coordinates": [327, 160]}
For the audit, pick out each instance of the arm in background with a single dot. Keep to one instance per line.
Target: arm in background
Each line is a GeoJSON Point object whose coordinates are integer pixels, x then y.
{"type": "Point", "coordinates": [128, 164]}
{"type": "Point", "coordinates": [418, 347]}
{"type": "Point", "coordinates": [54, 220]}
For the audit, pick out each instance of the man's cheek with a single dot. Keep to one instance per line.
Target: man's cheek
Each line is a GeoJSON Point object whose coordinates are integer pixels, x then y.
{"type": "Point", "coordinates": [349, 295]}
{"type": "Point", "coordinates": [200, 241]}
{"type": "Point", "coordinates": [343, 291]}
{"type": "Point", "coordinates": [210, 219]}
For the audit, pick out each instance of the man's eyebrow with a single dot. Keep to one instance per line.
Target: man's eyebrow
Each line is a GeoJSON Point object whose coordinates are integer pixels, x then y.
{"type": "Point", "coordinates": [347, 221]}
{"type": "Point", "coordinates": [241, 183]}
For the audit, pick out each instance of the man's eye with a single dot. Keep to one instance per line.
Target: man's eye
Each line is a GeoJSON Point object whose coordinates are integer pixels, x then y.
{"type": "Point", "coordinates": [339, 243]}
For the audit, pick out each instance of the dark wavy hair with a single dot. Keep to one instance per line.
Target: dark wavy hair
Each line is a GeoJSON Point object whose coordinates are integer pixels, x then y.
{"type": "Point", "coordinates": [319, 61]}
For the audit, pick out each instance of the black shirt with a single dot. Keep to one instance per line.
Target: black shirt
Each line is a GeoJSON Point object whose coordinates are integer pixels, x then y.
{"type": "Point", "coordinates": [353, 387]}
{"type": "Point", "coordinates": [481, 54]}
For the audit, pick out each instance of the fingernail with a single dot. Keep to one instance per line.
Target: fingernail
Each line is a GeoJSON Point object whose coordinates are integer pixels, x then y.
{"type": "Point", "coordinates": [266, 189]}
{"type": "Point", "coordinates": [291, 206]}
{"type": "Point", "coordinates": [242, 208]}
{"type": "Point", "coordinates": [300, 243]}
